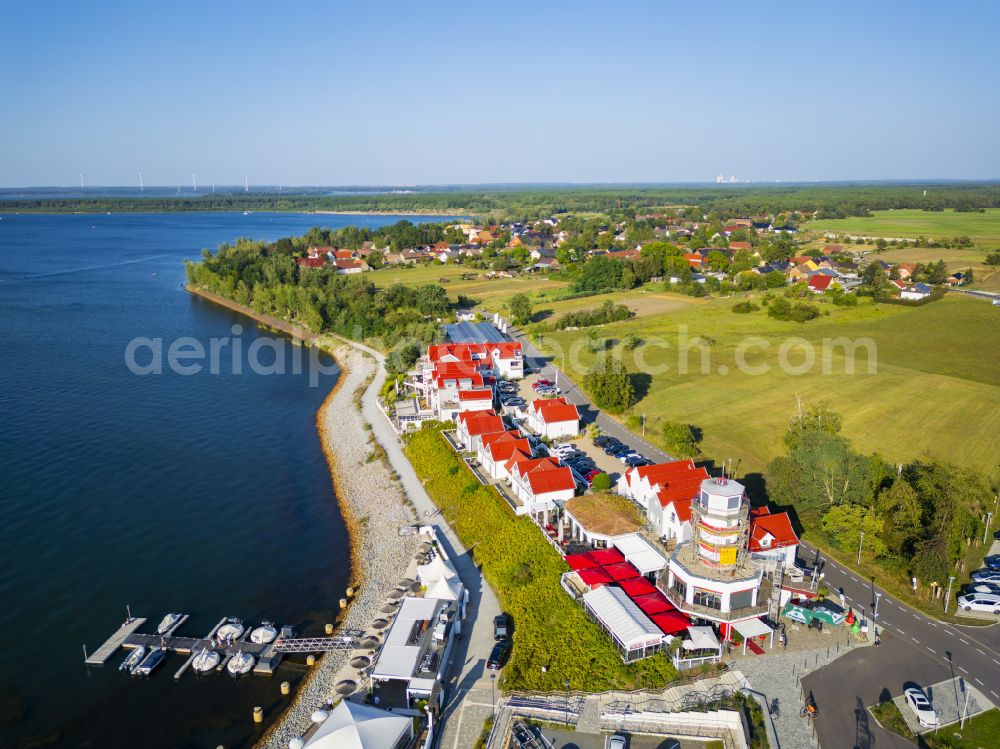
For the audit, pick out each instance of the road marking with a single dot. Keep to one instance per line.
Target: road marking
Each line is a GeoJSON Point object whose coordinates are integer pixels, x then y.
{"type": "Point", "coordinates": [915, 616]}
{"type": "Point", "coordinates": [854, 578]}
{"type": "Point", "coordinates": [933, 650]}
{"type": "Point", "coordinates": [885, 624]}
{"type": "Point", "coordinates": [981, 652]}
{"type": "Point", "coordinates": [962, 670]}
{"type": "Point", "coordinates": [915, 640]}
{"type": "Point", "coordinates": [932, 624]}
{"type": "Point", "coordinates": [996, 661]}
{"type": "Point", "coordinates": [977, 681]}
{"type": "Point", "coordinates": [963, 641]}
{"type": "Point", "coordinates": [950, 632]}
{"type": "Point", "coordinates": [995, 694]}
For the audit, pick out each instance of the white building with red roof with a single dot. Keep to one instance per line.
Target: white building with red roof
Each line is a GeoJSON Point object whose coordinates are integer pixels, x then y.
{"type": "Point", "coordinates": [538, 483]}
{"type": "Point", "coordinates": [496, 449]}
{"type": "Point", "coordinates": [772, 537]}
{"type": "Point", "coordinates": [553, 418]}
{"type": "Point", "coordinates": [665, 491]}
{"type": "Point", "coordinates": [473, 425]}
{"type": "Point", "coordinates": [476, 399]}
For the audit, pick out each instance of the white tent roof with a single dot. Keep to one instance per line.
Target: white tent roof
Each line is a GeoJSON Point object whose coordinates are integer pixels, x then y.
{"type": "Point", "coordinates": [355, 726]}
{"type": "Point", "coordinates": [436, 569]}
{"type": "Point", "coordinates": [752, 628]}
{"type": "Point", "coordinates": [445, 589]}
{"type": "Point", "coordinates": [702, 638]}
{"type": "Point", "coordinates": [637, 550]}
{"type": "Point", "coordinates": [622, 617]}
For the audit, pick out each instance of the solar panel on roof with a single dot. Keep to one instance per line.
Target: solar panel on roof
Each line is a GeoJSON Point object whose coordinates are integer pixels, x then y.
{"type": "Point", "coordinates": [474, 332]}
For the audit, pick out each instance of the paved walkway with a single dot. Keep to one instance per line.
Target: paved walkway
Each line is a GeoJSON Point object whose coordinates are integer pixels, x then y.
{"type": "Point", "coordinates": [470, 689]}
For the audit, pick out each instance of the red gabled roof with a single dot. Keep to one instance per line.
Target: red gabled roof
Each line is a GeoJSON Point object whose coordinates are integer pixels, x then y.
{"type": "Point", "coordinates": [476, 395]}
{"type": "Point", "coordinates": [516, 459]}
{"type": "Point", "coordinates": [546, 480]}
{"type": "Point", "coordinates": [311, 262]}
{"type": "Point", "coordinates": [694, 259]}
{"type": "Point", "coordinates": [554, 410]}
{"type": "Point", "coordinates": [739, 245]}
{"type": "Point", "coordinates": [504, 449]}
{"type": "Point", "coordinates": [820, 282]}
{"type": "Point", "coordinates": [349, 263]}
{"type": "Point", "coordinates": [681, 506]}
{"type": "Point", "coordinates": [778, 525]}
{"type": "Point", "coordinates": [483, 425]}
{"type": "Point", "coordinates": [344, 254]}
{"type": "Point", "coordinates": [473, 352]}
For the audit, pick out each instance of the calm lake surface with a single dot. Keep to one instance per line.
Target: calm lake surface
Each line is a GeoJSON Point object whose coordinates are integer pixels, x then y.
{"type": "Point", "coordinates": [206, 494]}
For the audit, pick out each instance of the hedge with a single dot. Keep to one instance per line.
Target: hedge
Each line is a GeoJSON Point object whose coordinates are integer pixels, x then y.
{"type": "Point", "coordinates": [550, 629]}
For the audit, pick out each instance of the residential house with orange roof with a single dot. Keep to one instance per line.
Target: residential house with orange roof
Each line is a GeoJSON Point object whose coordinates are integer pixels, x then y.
{"type": "Point", "coordinates": [664, 491]}
{"type": "Point", "coordinates": [772, 537]}
{"type": "Point", "coordinates": [553, 418]}
{"type": "Point", "coordinates": [496, 449]}
{"type": "Point", "coordinates": [539, 483]}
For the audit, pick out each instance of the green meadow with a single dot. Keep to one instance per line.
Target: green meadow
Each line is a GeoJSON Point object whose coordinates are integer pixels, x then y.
{"type": "Point", "coordinates": [910, 223]}
{"type": "Point", "coordinates": [934, 389]}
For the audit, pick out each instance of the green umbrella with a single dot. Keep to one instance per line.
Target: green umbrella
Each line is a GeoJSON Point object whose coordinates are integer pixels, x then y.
{"type": "Point", "coordinates": [824, 614]}
{"type": "Point", "coordinates": [797, 613]}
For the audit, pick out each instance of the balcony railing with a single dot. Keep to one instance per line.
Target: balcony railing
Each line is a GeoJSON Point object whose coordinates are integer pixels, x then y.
{"type": "Point", "coordinates": [707, 612]}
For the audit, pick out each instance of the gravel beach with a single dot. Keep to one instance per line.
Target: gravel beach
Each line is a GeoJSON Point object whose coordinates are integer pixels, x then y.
{"type": "Point", "coordinates": [372, 503]}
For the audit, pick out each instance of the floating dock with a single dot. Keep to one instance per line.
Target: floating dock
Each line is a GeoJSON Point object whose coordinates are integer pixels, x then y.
{"type": "Point", "coordinates": [100, 656]}
{"type": "Point", "coordinates": [267, 655]}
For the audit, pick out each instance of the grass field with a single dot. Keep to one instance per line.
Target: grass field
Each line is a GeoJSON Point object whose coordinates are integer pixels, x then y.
{"type": "Point", "coordinates": [983, 228]}
{"type": "Point", "coordinates": [486, 290]}
{"type": "Point", "coordinates": [979, 732]}
{"type": "Point", "coordinates": [934, 392]}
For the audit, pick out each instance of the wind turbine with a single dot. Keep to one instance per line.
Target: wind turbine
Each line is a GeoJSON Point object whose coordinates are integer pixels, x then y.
{"type": "Point", "coordinates": [246, 184]}
{"type": "Point", "coordinates": [81, 181]}
{"type": "Point", "coordinates": [141, 188]}
{"type": "Point", "coordinates": [194, 182]}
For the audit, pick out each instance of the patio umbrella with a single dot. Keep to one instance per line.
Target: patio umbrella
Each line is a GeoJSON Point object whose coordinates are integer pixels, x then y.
{"type": "Point", "coordinates": [638, 586]}
{"type": "Point", "coordinates": [653, 603]}
{"type": "Point", "coordinates": [595, 576]}
{"type": "Point", "coordinates": [797, 613]}
{"type": "Point", "coordinates": [828, 615]}
{"type": "Point", "coordinates": [621, 571]}
{"type": "Point", "coordinates": [580, 562]}
{"type": "Point", "coordinates": [607, 556]}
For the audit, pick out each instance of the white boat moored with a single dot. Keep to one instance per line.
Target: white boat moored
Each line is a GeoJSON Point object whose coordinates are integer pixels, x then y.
{"type": "Point", "coordinates": [167, 622]}
{"type": "Point", "coordinates": [205, 661]}
{"type": "Point", "coordinates": [233, 629]}
{"type": "Point", "coordinates": [133, 659]}
{"type": "Point", "coordinates": [241, 663]}
{"type": "Point", "coordinates": [264, 634]}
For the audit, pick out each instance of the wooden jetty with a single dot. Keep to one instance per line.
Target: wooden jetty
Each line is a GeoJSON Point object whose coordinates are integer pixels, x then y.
{"type": "Point", "coordinates": [100, 656]}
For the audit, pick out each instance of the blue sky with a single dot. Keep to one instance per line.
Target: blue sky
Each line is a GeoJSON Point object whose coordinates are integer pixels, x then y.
{"type": "Point", "coordinates": [331, 93]}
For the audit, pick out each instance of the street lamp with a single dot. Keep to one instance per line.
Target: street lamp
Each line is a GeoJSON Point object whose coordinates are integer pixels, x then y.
{"type": "Point", "coordinates": [861, 545]}
{"type": "Point", "coordinates": [986, 532]}
{"type": "Point", "coordinates": [493, 681]}
{"type": "Point", "coordinates": [878, 596]}
{"type": "Point", "coordinates": [947, 596]}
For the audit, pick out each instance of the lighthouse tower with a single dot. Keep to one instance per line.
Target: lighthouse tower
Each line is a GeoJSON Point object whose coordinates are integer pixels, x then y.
{"type": "Point", "coordinates": [721, 517]}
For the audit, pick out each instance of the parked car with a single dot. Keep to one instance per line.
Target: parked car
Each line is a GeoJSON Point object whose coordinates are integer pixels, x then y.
{"type": "Point", "coordinates": [498, 658]}
{"type": "Point", "coordinates": [987, 602]}
{"type": "Point", "coordinates": [591, 475]}
{"type": "Point", "coordinates": [612, 447]}
{"type": "Point", "coordinates": [602, 441]}
{"type": "Point", "coordinates": [921, 707]}
{"type": "Point", "coordinates": [983, 588]}
{"type": "Point", "coordinates": [616, 741]}
{"type": "Point", "coordinates": [996, 536]}
{"type": "Point", "coordinates": [986, 576]}
{"type": "Point", "coordinates": [634, 461]}
{"type": "Point", "coordinates": [501, 627]}
{"type": "Point", "coordinates": [623, 452]}
{"type": "Point", "coordinates": [992, 562]}
{"type": "Point", "coordinates": [563, 447]}
{"type": "Point", "coordinates": [515, 401]}
{"type": "Point", "coordinates": [541, 382]}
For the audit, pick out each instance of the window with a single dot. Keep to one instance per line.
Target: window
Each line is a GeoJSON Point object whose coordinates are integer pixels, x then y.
{"type": "Point", "coordinates": [679, 587]}
{"type": "Point", "coordinates": [708, 599]}
{"type": "Point", "coordinates": [734, 503]}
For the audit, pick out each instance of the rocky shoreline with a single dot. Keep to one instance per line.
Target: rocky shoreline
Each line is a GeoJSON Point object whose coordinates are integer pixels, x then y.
{"type": "Point", "coordinates": [372, 503]}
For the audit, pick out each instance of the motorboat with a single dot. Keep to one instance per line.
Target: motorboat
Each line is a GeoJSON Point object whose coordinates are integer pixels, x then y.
{"type": "Point", "coordinates": [206, 661]}
{"type": "Point", "coordinates": [149, 663]}
{"type": "Point", "coordinates": [264, 634]}
{"type": "Point", "coordinates": [133, 659]}
{"type": "Point", "coordinates": [232, 630]}
{"type": "Point", "coordinates": [241, 663]}
{"type": "Point", "coordinates": [169, 621]}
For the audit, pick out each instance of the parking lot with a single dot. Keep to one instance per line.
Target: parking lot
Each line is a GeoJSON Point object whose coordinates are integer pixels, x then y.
{"type": "Point", "coordinates": [593, 457]}
{"type": "Point", "coordinates": [579, 740]}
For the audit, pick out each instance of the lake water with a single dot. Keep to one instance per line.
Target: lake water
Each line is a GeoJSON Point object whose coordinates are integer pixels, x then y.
{"type": "Point", "coordinates": [206, 494]}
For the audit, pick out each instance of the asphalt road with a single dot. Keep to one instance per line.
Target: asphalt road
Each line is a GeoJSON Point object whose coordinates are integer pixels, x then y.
{"type": "Point", "coordinates": [973, 652]}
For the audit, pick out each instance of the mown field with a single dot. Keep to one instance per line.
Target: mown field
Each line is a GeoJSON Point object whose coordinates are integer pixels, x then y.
{"type": "Point", "coordinates": [983, 228]}
{"type": "Point", "coordinates": [486, 290]}
{"type": "Point", "coordinates": [935, 390]}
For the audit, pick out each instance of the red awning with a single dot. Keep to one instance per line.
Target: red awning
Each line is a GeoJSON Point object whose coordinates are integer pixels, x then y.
{"type": "Point", "coordinates": [621, 571]}
{"type": "Point", "coordinates": [580, 561]}
{"type": "Point", "coordinates": [639, 586]}
{"type": "Point", "coordinates": [595, 576]}
{"type": "Point", "coordinates": [671, 622]}
{"type": "Point", "coordinates": [607, 556]}
{"type": "Point", "coordinates": [653, 603]}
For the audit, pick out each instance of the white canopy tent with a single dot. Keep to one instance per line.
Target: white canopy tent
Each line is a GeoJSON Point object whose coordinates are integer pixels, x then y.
{"type": "Point", "coordinates": [445, 589]}
{"type": "Point", "coordinates": [701, 638]}
{"type": "Point", "coordinates": [622, 619]}
{"type": "Point", "coordinates": [637, 550]}
{"type": "Point", "coordinates": [750, 628]}
{"type": "Point", "coordinates": [355, 726]}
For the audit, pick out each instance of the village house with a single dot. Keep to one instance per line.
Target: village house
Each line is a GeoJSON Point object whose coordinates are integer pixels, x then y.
{"type": "Point", "coordinates": [664, 492]}
{"type": "Point", "coordinates": [471, 426]}
{"type": "Point", "coordinates": [351, 266]}
{"type": "Point", "coordinates": [538, 483]}
{"type": "Point", "coordinates": [916, 292]}
{"type": "Point", "coordinates": [819, 283]}
{"type": "Point", "coordinates": [553, 418]}
{"type": "Point", "coordinates": [496, 449]}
